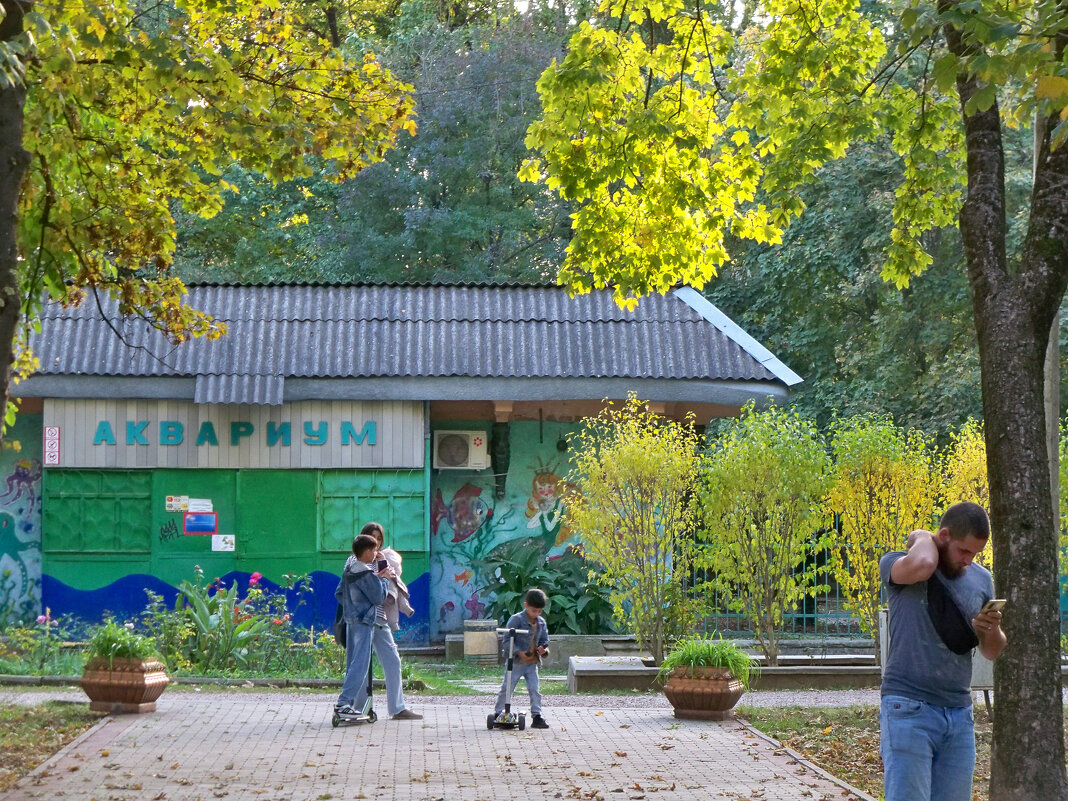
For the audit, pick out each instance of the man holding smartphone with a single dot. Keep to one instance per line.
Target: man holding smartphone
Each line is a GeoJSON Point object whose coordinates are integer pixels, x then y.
{"type": "Point", "coordinates": [936, 596]}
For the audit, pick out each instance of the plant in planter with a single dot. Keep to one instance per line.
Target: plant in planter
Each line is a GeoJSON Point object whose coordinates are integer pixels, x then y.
{"type": "Point", "coordinates": [705, 677]}
{"type": "Point", "coordinates": [122, 672]}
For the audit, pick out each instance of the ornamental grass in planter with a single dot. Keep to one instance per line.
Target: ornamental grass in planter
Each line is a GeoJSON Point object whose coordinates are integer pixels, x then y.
{"type": "Point", "coordinates": [122, 673]}
{"type": "Point", "coordinates": [705, 677]}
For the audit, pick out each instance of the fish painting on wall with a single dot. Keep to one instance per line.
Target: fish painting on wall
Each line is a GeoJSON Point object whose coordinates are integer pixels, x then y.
{"type": "Point", "coordinates": [466, 513]}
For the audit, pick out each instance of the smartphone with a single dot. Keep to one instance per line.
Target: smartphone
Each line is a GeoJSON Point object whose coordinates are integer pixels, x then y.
{"type": "Point", "coordinates": [381, 565]}
{"type": "Point", "coordinates": [994, 605]}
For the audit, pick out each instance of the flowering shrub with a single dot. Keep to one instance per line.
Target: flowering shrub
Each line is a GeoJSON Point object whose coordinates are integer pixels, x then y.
{"type": "Point", "coordinates": [224, 627]}
{"type": "Point", "coordinates": [33, 648]}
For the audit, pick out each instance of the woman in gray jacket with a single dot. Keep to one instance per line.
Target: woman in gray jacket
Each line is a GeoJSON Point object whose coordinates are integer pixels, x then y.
{"type": "Point", "coordinates": [387, 621]}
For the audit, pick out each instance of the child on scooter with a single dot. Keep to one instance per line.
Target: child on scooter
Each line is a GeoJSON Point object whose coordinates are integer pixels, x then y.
{"type": "Point", "coordinates": [527, 660]}
{"type": "Point", "coordinates": [360, 591]}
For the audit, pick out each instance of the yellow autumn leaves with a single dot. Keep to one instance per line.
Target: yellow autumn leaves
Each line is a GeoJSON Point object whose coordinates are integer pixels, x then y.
{"type": "Point", "coordinates": [769, 512]}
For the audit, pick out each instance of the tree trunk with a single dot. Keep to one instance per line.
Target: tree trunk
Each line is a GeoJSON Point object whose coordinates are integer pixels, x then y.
{"type": "Point", "coordinates": [13, 163]}
{"type": "Point", "coordinates": [1028, 741]}
{"type": "Point", "coordinates": [1014, 310]}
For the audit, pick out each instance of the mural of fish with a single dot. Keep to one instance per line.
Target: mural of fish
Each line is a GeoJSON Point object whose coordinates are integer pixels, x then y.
{"type": "Point", "coordinates": [463, 577]}
{"type": "Point", "coordinates": [466, 513]}
{"type": "Point", "coordinates": [443, 613]}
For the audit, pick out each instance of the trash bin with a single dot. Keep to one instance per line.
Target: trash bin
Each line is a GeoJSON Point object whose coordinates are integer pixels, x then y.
{"type": "Point", "coordinates": [480, 642]}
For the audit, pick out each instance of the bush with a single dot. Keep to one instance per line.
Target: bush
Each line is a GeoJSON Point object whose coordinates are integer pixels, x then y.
{"type": "Point", "coordinates": [35, 648]}
{"type": "Point", "coordinates": [576, 605]}
{"type": "Point", "coordinates": [112, 641]}
{"type": "Point", "coordinates": [695, 651]}
{"type": "Point", "coordinates": [634, 475]}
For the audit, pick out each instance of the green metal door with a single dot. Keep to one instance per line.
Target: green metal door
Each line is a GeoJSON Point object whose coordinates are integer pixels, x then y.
{"type": "Point", "coordinates": [349, 499]}
{"type": "Point", "coordinates": [276, 526]}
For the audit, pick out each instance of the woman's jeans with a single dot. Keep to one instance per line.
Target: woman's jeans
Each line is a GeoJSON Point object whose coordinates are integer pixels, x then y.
{"type": "Point", "coordinates": [928, 751]}
{"type": "Point", "coordinates": [389, 659]}
{"type": "Point", "coordinates": [529, 673]}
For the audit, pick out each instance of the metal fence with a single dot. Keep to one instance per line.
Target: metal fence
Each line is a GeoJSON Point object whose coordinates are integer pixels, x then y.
{"type": "Point", "coordinates": [822, 615]}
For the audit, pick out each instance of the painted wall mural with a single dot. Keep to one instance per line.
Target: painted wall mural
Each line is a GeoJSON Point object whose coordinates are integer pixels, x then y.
{"type": "Point", "coordinates": [468, 522]}
{"type": "Point", "coordinates": [20, 522]}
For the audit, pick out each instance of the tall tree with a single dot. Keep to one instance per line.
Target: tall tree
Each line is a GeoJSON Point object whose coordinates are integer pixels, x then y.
{"type": "Point", "coordinates": [113, 110]}
{"type": "Point", "coordinates": [445, 205]}
{"type": "Point", "coordinates": [668, 131]}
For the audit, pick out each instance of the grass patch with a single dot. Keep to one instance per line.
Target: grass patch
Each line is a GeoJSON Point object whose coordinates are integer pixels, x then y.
{"type": "Point", "coordinates": [845, 741]}
{"type": "Point", "coordinates": [31, 734]}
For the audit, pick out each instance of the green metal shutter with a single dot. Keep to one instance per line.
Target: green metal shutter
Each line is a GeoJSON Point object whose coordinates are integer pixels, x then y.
{"type": "Point", "coordinates": [349, 499]}
{"type": "Point", "coordinates": [97, 511]}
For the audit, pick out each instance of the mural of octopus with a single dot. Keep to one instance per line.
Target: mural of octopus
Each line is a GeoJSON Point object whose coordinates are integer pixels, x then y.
{"type": "Point", "coordinates": [24, 480]}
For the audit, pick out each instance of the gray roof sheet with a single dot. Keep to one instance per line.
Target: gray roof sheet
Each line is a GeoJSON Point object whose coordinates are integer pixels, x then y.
{"type": "Point", "coordinates": [324, 331]}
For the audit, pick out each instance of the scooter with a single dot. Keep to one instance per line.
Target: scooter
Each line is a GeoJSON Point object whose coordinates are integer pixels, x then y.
{"type": "Point", "coordinates": [365, 715]}
{"type": "Point", "coordinates": [508, 719]}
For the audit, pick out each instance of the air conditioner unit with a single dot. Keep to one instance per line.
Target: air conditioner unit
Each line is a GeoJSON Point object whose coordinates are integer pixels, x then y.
{"type": "Point", "coordinates": [461, 450]}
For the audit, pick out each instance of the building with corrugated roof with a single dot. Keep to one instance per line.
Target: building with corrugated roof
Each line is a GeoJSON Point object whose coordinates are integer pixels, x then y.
{"type": "Point", "coordinates": [440, 411]}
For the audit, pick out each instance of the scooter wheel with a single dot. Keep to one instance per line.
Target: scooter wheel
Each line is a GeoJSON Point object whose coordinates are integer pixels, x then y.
{"type": "Point", "coordinates": [372, 716]}
{"type": "Point", "coordinates": [335, 720]}
{"type": "Point", "coordinates": [489, 721]}
{"type": "Point", "coordinates": [522, 722]}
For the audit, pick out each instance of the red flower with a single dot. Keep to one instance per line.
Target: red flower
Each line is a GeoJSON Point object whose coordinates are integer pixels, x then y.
{"type": "Point", "coordinates": [254, 579]}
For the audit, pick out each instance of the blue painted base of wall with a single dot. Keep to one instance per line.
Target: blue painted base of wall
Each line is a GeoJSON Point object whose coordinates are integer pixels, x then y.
{"type": "Point", "coordinates": [125, 600]}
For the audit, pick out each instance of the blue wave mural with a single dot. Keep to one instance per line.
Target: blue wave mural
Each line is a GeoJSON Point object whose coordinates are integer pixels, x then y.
{"type": "Point", "coordinates": [125, 599]}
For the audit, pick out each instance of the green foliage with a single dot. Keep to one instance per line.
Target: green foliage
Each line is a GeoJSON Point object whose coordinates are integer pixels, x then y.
{"type": "Point", "coordinates": [171, 630]}
{"type": "Point", "coordinates": [669, 126]}
{"type": "Point", "coordinates": [862, 345]}
{"type": "Point", "coordinates": [884, 486]}
{"type": "Point", "coordinates": [113, 641]}
{"type": "Point", "coordinates": [34, 647]}
{"type": "Point", "coordinates": [634, 474]}
{"type": "Point", "coordinates": [225, 627]}
{"type": "Point", "coordinates": [761, 498]}
{"type": "Point", "coordinates": [445, 205]}
{"type": "Point", "coordinates": [576, 606]}
{"type": "Point", "coordinates": [691, 652]}
{"type": "Point", "coordinates": [130, 108]}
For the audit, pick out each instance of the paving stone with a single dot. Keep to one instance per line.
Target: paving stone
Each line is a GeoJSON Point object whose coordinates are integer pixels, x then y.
{"type": "Point", "coordinates": [282, 747]}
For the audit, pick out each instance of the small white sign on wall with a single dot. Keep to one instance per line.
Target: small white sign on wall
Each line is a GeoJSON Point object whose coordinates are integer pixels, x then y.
{"type": "Point", "coordinates": [223, 542]}
{"type": "Point", "coordinates": [51, 446]}
{"type": "Point", "coordinates": [200, 505]}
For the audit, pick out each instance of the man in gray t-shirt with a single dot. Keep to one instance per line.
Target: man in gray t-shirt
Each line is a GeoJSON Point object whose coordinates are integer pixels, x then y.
{"type": "Point", "coordinates": [935, 593]}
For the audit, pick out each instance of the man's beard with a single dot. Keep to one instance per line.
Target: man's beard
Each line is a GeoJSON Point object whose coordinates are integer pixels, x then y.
{"type": "Point", "coordinates": [949, 570]}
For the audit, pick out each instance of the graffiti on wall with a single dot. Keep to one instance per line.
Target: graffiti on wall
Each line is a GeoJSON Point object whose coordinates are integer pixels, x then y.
{"type": "Point", "coordinates": [20, 523]}
{"type": "Point", "coordinates": [468, 522]}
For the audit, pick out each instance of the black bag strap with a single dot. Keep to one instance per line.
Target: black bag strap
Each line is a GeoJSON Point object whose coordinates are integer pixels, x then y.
{"type": "Point", "coordinates": [949, 622]}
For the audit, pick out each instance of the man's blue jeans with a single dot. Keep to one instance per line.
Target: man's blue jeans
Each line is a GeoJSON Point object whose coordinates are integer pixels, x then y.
{"type": "Point", "coordinates": [358, 659]}
{"type": "Point", "coordinates": [928, 751]}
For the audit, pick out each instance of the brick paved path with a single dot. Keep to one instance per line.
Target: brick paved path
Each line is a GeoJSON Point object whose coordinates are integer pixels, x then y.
{"type": "Point", "coordinates": [281, 747]}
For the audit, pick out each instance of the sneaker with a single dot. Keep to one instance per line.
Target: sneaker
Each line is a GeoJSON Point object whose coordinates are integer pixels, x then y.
{"type": "Point", "coordinates": [538, 723]}
{"type": "Point", "coordinates": [345, 709]}
{"type": "Point", "coordinates": [407, 714]}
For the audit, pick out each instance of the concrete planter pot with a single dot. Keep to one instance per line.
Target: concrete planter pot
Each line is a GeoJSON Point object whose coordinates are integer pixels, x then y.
{"type": "Point", "coordinates": [124, 685]}
{"type": "Point", "coordinates": [703, 693]}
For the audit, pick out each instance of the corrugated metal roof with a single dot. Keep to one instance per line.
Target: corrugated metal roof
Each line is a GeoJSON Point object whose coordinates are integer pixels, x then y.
{"type": "Point", "coordinates": [395, 331]}
{"type": "Point", "coordinates": [264, 390]}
